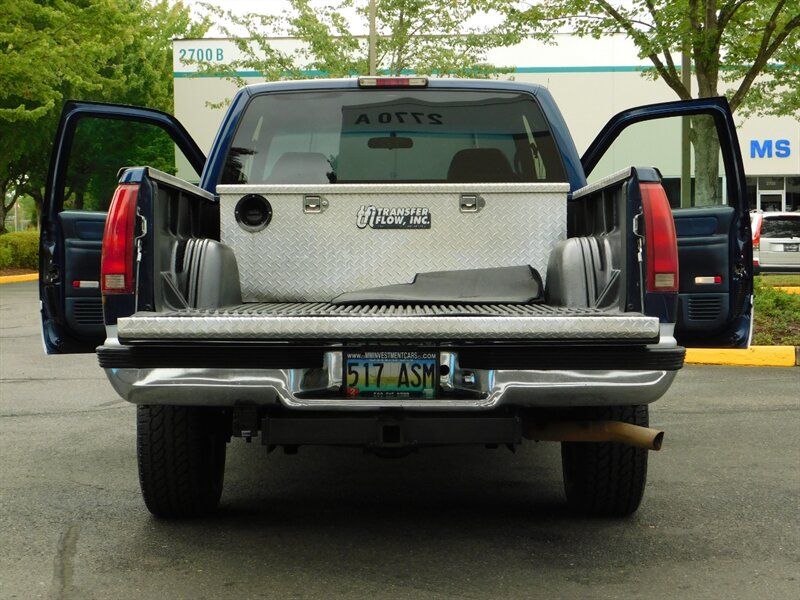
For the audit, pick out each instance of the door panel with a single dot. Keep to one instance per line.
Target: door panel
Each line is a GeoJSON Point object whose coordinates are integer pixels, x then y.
{"type": "Point", "coordinates": [83, 238]}
{"type": "Point", "coordinates": [695, 148]}
{"type": "Point", "coordinates": [704, 297]}
{"type": "Point", "coordinates": [93, 142]}
{"type": "Point", "coordinates": [703, 247]}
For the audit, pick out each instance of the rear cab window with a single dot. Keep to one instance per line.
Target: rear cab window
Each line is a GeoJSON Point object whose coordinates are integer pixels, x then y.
{"type": "Point", "coordinates": [780, 227]}
{"type": "Point", "coordinates": [389, 136]}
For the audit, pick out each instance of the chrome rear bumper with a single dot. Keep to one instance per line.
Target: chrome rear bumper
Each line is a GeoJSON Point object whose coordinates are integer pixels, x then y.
{"type": "Point", "coordinates": [318, 388]}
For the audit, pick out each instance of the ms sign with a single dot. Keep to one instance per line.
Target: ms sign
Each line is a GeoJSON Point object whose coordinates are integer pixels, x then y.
{"type": "Point", "coordinates": [764, 149]}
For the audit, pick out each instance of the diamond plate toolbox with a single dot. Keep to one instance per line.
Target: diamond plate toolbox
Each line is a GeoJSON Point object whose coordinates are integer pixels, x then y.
{"type": "Point", "coordinates": [321, 240]}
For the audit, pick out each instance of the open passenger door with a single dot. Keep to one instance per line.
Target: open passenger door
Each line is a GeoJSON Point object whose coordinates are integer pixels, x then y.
{"type": "Point", "coordinates": [93, 142]}
{"type": "Point", "coordinates": [694, 146]}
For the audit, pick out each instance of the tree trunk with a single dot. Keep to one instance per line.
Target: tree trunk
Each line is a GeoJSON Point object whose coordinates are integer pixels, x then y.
{"type": "Point", "coordinates": [3, 190]}
{"type": "Point", "coordinates": [707, 191]}
{"type": "Point", "coordinates": [3, 215]}
{"type": "Point", "coordinates": [6, 203]}
{"type": "Point", "coordinates": [38, 202]}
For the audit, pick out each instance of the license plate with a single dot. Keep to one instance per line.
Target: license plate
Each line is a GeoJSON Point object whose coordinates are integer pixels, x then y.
{"type": "Point", "coordinates": [393, 375]}
{"type": "Point", "coordinates": [791, 247]}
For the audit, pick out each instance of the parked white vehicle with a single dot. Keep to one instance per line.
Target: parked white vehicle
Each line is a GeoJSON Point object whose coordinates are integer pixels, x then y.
{"type": "Point", "coordinates": [776, 242]}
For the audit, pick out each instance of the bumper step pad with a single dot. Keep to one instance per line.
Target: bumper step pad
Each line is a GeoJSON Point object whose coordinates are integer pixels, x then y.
{"type": "Point", "coordinates": [323, 321]}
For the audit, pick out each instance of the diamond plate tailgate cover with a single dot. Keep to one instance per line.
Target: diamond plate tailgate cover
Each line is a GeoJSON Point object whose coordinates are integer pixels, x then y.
{"type": "Point", "coordinates": [314, 255]}
{"type": "Point", "coordinates": [323, 321]}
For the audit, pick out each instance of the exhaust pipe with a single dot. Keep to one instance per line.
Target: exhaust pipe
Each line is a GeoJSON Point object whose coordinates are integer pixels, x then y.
{"type": "Point", "coordinates": [595, 431]}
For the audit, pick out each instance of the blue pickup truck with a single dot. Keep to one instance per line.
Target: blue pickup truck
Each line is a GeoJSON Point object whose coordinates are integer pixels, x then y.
{"type": "Point", "coordinates": [391, 264]}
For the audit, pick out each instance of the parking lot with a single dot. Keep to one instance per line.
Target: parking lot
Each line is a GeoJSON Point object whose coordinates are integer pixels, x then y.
{"type": "Point", "coordinates": [719, 518]}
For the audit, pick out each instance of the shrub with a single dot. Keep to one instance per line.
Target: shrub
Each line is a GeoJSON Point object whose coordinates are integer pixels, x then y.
{"type": "Point", "coordinates": [777, 316]}
{"type": "Point", "coordinates": [19, 250]}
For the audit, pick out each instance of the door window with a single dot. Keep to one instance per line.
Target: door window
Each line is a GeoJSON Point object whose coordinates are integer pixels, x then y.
{"type": "Point", "coordinates": [793, 194]}
{"type": "Point", "coordinates": [685, 150]}
{"type": "Point", "coordinates": [101, 147]}
{"type": "Point", "coordinates": [770, 201]}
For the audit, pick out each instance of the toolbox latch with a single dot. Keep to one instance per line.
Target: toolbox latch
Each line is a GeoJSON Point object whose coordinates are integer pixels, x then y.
{"type": "Point", "coordinates": [470, 203]}
{"type": "Point", "coordinates": [314, 203]}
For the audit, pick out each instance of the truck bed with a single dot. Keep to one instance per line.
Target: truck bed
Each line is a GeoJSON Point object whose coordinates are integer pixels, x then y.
{"type": "Point", "coordinates": [320, 321]}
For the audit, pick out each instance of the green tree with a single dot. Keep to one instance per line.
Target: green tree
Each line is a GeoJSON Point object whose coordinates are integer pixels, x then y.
{"type": "Point", "coordinates": [48, 50]}
{"type": "Point", "coordinates": [734, 47]}
{"type": "Point", "coordinates": [99, 147]}
{"type": "Point", "coordinates": [104, 50]}
{"type": "Point", "coordinates": [420, 36]}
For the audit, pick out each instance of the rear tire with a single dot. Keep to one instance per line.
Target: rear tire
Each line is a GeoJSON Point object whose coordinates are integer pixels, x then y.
{"type": "Point", "coordinates": [181, 455]}
{"type": "Point", "coordinates": [606, 478]}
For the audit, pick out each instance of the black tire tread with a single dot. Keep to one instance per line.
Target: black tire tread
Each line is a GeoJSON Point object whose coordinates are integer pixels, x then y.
{"type": "Point", "coordinates": [181, 456]}
{"type": "Point", "coordinates": [606, 478]}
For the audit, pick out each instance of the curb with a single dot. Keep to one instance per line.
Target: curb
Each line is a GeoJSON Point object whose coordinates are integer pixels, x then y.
{"type": "Point", "coordinates": [788, 289]}
{"type": "Point", "coordinates": [754, 356]}
{"type": "Point", "coordinates": [19, 278]}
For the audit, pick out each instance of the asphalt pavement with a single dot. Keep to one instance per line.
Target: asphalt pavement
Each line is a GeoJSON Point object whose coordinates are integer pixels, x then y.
{"type": "Point", "coordinates": [719, 518]}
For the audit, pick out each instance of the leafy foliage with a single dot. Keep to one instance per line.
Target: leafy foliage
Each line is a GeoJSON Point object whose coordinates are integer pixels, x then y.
{"type": "Point", "coordinates": [765, 36]}
{"type": "Point", "coordinates": [731, 42]}
{"type": "Point", "coordinates": [426, 37]}
{"type": "Point", "coordinates": [100, 147]}
{"type": "Point", "coordinates": [19, 250]}
{"type": "Point", "coordinates": [777, 316]}
{"type": "Point", "coordinates": [104, 50]}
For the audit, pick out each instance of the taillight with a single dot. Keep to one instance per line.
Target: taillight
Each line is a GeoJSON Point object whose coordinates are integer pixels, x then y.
{"type": "Point", "coordinates": [757, 236]}
{"type": "Point", "coordinates": [660, 240]}
{"type": "Point", "coordinates": [116, 265]}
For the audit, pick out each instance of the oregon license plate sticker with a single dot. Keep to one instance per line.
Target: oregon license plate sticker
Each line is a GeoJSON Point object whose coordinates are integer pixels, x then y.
{"type": "Point", "coordinates": [390, 374]}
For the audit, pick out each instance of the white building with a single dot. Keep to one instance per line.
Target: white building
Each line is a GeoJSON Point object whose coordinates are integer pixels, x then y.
{"type": "Point", "coordinates": [590, 79]}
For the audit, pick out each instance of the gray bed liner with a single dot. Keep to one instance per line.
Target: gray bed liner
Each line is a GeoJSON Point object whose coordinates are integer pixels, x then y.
{"type": "Point", "coordinates": [325, 321]}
